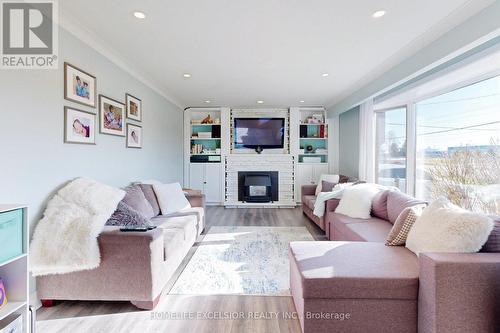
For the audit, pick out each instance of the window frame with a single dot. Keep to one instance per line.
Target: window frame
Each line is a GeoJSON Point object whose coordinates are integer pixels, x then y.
{"type": "Point", "coordinates": [411, 118]}
{"type": "Point", "coordinates": [384, 110]}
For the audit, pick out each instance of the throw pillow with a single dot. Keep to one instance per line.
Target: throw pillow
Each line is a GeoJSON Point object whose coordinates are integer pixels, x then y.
{"type": "Point", "coordinates": [444, 227]}
{"type": "Point", "coordinates": [399, 232]}
{"type": "Point", "coordinates": [125, 215]}
{"type": "Point", "coordinates": [343, 179]}
{"type": "Point", "coordinates": [356, 200]}
{"type": "Point", "coordinates": [135, 198]}
{"type": "Point", "coordinates": [150, 196]}
{"type": "Point", "coordinates": [327, 186]}
{"type": "Point", "coordinates": [170, 198]}
{"type": "Point", "coordinates": [397, 201]}
{"type": "Point", "coordinates": [379, 205]}
{"type": "Point", "coordinates": [329, 178]}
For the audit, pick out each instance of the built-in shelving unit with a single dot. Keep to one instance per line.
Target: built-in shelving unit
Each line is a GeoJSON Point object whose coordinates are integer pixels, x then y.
{"type": "Point", "coordinates": [212, 160]}
{"type": "Point", "coordinates": [310, 147]}
{"type": "Point", "coordinates": [14, 264]}
{"type": "Point", "coordinates": [205, 145]}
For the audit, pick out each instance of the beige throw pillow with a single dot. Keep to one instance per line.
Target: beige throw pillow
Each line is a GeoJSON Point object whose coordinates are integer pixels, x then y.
{"type": "Point", "coordinates": [402, 225]}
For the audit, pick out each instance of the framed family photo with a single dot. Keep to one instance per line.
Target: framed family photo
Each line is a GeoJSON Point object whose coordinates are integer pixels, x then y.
{"type": "Point", "coordinates": [134, 107]}
{"type": "Point", "coordinates": [79, 126]}
{"type": "Point", "coordinates": [134, 136]}
{"type": "Point", "coordinates": [112, 116]}
{"type": "Point", "coordinates": [79, 86]}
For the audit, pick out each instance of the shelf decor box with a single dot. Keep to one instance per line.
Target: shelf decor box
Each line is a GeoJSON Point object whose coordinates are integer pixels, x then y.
{"type": "Point", "coordinates": [11, 234]}
{"type": "Point", "coordinates": [311, 159]}
{"type": "Point", "coordinates": [205, 135]}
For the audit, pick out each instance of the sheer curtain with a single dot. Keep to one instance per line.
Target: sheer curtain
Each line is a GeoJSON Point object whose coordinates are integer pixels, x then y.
{"type": "Point", "coordinates": [367, 142]}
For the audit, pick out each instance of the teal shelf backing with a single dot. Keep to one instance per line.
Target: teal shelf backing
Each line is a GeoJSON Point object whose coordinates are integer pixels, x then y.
{"type": "Point", "coordinates": [314, 143]}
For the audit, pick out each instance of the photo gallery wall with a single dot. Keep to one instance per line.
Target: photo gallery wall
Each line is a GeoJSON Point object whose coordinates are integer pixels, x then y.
{"type": "Point", "coordinates": [80, 126]}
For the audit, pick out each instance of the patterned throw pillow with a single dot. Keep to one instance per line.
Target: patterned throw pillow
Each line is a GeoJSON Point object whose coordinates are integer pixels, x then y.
{"type": "Point", "coordinates": [136, 199]}
{"type": "Point", "coordinates": [127, 216]}
{"type": "Point", "coordinates": [402, 225]}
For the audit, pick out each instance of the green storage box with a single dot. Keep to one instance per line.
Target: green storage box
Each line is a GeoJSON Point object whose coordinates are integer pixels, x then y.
{"type": "Point", "coordinates": [11, 234]}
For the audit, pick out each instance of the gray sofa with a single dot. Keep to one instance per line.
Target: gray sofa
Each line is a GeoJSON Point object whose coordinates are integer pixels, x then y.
{"type": "Point", "coordinates": [388, 288]}
{"type": "Point", "coordinates": [135, 266]}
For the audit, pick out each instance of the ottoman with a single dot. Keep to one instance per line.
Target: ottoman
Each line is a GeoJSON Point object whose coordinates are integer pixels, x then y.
{"type": "Point", "coordinates": [354, 287]}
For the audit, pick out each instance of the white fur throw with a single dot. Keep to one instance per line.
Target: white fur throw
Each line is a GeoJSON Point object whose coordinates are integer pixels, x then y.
{"type": "Point", "coordinates": [444, 227]}
{"type": "Point", "coordinates": [356, 200]}
{"type": "Point", "coordinates": [65, 239]}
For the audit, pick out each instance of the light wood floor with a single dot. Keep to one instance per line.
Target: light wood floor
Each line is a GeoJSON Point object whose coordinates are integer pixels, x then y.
{"type": "Point", "coordinates": [76, 316]}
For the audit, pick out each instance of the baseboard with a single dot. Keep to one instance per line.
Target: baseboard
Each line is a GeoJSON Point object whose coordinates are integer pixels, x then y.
{"type": "Point", "coordinates": [34, 300]}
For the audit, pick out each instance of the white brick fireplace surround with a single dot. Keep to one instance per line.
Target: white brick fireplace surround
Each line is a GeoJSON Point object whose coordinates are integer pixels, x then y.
{"type": "Point", "coordinates": [283, 164]}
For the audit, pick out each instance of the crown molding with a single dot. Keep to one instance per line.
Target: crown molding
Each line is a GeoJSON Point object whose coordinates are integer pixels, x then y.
{"type": "Point", "coordinates": [69, 23]}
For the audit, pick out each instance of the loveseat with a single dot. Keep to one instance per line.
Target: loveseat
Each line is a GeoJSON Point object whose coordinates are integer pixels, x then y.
{"type": "Point", "coordinates": [135, 266]}
{"type": "Point", "coordinates": [308, 199]}
{"type": "Point", "coordinates": [358, 284]}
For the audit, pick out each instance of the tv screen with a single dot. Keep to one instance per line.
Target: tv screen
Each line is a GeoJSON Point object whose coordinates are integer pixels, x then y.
{"type": "Point", "coordinates": [259, 132]}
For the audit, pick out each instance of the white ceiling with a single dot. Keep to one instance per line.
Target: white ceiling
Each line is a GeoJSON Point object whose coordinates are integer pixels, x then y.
{"type": "Point", "coordinates": [241, 51]}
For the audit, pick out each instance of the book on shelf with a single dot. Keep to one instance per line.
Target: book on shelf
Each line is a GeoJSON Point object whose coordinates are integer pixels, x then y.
{"type": "Point", "coordinates": [196, 149]}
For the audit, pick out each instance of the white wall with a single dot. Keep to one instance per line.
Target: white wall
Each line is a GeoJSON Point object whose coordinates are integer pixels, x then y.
{"type": "Point", "coordinates": [349, 143]}
{"type": "Point", "coordinates": [34, 161]}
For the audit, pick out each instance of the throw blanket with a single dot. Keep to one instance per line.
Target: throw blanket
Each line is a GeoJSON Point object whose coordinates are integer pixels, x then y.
{"type": "Point", "coordinates": [336, 193]}
{"type": "Point", "coordinates": [65, 239]}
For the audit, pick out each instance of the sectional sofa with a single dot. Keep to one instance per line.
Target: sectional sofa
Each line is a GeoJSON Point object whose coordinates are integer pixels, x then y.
{"type": "Point", "coordinates": [356, 283]}
{"type": "Point", "coordinates": [135, 266]}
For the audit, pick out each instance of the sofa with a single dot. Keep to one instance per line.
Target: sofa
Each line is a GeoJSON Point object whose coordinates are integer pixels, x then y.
{"type": "Point", "coordinates": [356, 283]}
{"type": "Point", "coordinates": [135, 266]}
{"type": "Point", "coordinates": [308, 199]}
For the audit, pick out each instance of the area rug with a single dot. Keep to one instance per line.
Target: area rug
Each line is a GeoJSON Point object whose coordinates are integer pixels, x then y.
{"type": "Point", "coordinates": [241, 260]}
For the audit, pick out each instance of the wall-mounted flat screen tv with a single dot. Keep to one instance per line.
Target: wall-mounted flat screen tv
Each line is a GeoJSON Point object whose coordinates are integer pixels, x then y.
{"type": "Point", "coordinates": [264, 133]}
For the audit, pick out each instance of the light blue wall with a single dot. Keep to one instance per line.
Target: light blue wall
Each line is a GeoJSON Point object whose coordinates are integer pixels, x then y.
{"type": "Point", "coordinates": [349, 143]}
{"type": "Point", "coordinates": [478, 26]}
{"type": "Point", "coordinates": [34, 161]}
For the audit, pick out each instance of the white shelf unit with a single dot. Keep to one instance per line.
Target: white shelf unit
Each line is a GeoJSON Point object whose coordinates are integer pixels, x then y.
{"type": "Point", "coordinates": [315, 135]}
{"type": "Point", "coordinates": [14, 274]}
{"type": "Point", "coordinates": [207, 174]}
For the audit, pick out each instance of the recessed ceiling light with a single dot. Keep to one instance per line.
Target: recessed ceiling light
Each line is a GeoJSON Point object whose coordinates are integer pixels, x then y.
{"type": "Point", "coordinates": [186, 75]}
{"type": "Point", "coordinates": [208, 102]}
{"type": "Point", "coordinates": [260, 102]}
{"type": "Point", "coordinates": [378, 14]}
{"type": "Point", "coordinates": [139, 15]}
{"type": "Point", "coordinates": [302, 101]}
{"type": "Point", "coordinates": [325, 74]}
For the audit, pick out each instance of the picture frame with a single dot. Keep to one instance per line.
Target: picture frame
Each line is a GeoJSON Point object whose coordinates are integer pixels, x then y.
{"type": "Point", "coordinates": [111, 116]}
{"type": "Point", "coordinates": [134, 136]}
{"type": "Point", "coordinates": [79, 126]}
{"type": "Point", "coordinates": [134, 107]}
{"type": "Point", "coordinates": [79, 86]}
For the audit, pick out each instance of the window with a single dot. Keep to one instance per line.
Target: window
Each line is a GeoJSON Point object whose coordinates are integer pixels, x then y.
{"type": "Point", "coordinates": [391, 148]}
{"type": "Point", "coordinates": [458, 147]}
